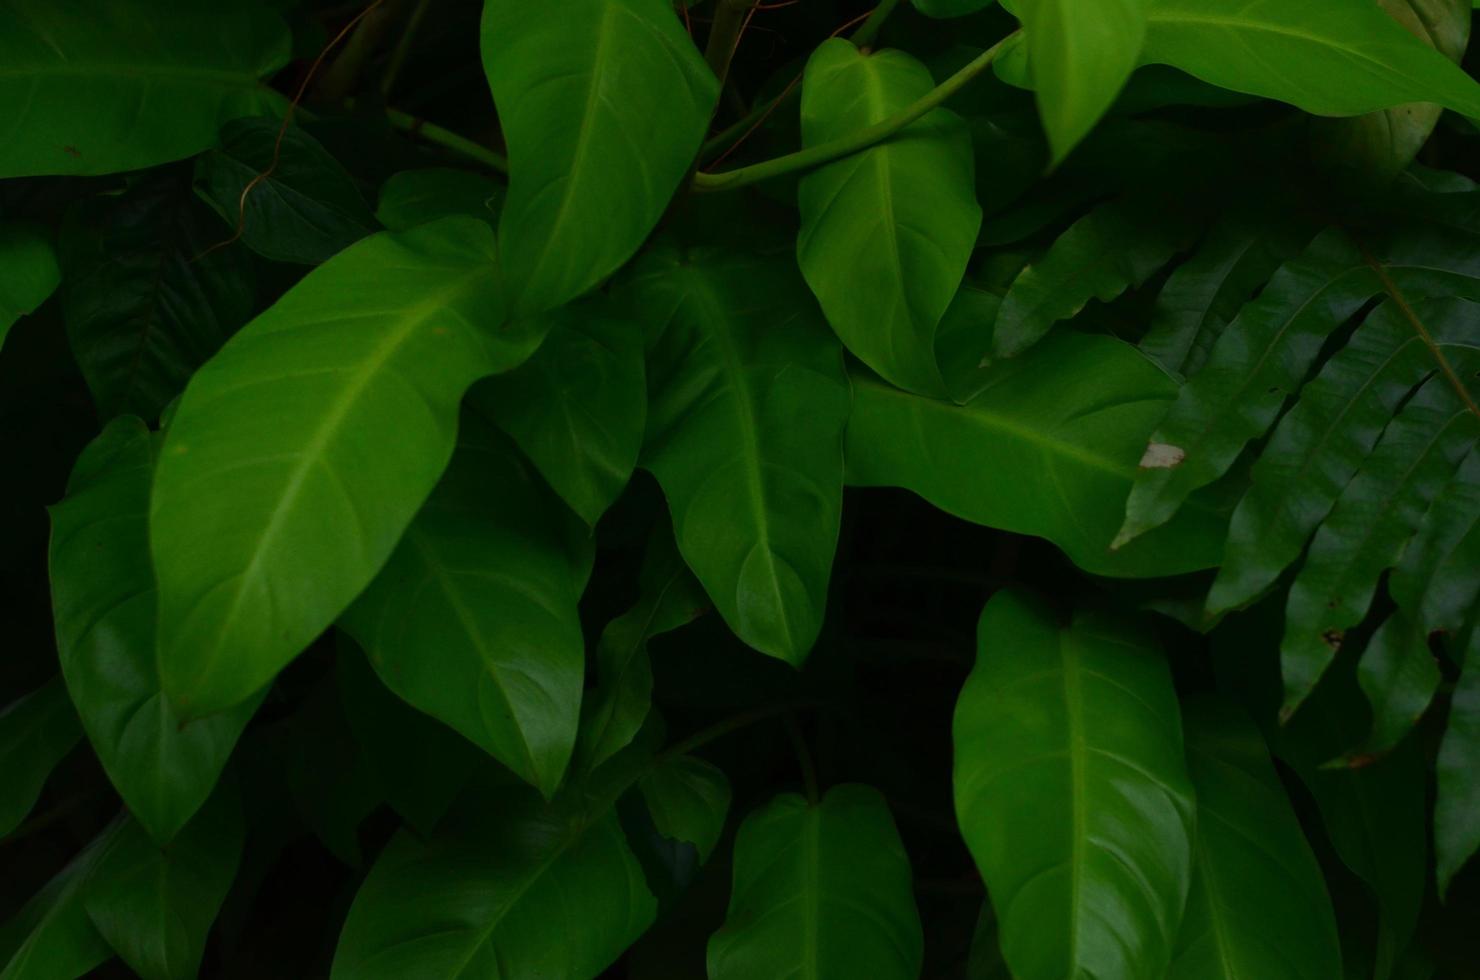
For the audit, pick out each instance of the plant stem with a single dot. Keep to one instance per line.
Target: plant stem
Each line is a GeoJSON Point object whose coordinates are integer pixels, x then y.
{"type": "Point", "coordinates": [403, 46]}
{"type": "Point", "coordinates": [720, 729]}
{"type": "Point", "coordinates": [433, 133]}
{"type": "Point", "coordinates": [721, 141]}
{"type": "Point", "coordinates": [724, 35]}
{"type": "Point", "coordinates": [816, 156]}
{"type": "Point", "coordinates": [804, 760]}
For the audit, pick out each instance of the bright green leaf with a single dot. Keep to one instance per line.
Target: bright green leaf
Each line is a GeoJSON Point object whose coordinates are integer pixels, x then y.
{"type": "Point", "coordinates": [1328, 57]}
{"type": "Point", "coordinates": [737, 355]}
{"type": "Point", "coordinates": [1044, 449]}
{"type": "Point", "coordinates": [473, 619]}
{"type": "Point", "coordinates": [103, 600]}
{"type": "Point", "coordinates": [1072, 793]}
{"type": "Point", "coordinates": [603, 109]}
{"type": "Point", "coordinates": [101, 86]}
{"type": "Point", "coordinates": [886, 233]}
{"type": "Point", "coordinates": [279, 455]}
{"type": "Point", "coordinates": [821, 890]}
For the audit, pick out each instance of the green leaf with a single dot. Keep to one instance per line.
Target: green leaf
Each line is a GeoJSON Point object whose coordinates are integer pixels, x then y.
{"type": "Point", "coordinates": [473, 619]}
{"type": "Point", "coordinates": [737, 354]}
{"type": "Point", "coordinates": [305, 209]}
{"type": "Point", "coordinates": [1435, 585]}
{"type": "Point", "coordinates": [821, 890]}
{"type": "Point", "coordinates": [414, 197]}
{"type": "Point", "coordinates": [508, 887]}
{"type": "Point", "coordinates": [1379, 145]}
{"type": "Point", "coordinates": [1072, 793]}
{"type": "Point", "coordinates": [1374, 813]}
{"type": "Point", "coordinates": [1263, 355]}
{"type": "Point", "coordinates": [1205, 293]}
{"type": "Point", "coordinates": [1081, 53]}
{"type": "Point", "coordinates": [886, 233]}
{"type": "Point", "coordinates": [1258, 905]}
{"type": "Point", "coordinates": [577, 408]}
{"type": "Point", "coordinates": [950, 8]}
{"type": "Point", "coordinates": [36, 732]}
{"type": "Point", "coordinates": [52, 936]}
{"type": "Point", "coordinates": [155, 906]}
{"type": "Point", "coordinates": [670, 597]}
{"type": "Point", "coordinates": [147, 299]}
{"type": "Point", "coordinates": [101, 86]}
{"type": "Point", "coordinates": [1045, 449]}
{"type": "Point", "coordinates": [1328, 57]}
{"type": "Point", "coordinates": [1457, 808]}
{"type": "Point", "coordinates": [103, 601]}
{"type": "Point", "coordinates": [1113, 248]}
{"type": "Point", "coordinates": [28, 272]}
{"type": "Point", "coordinates": [1375, 516]}
{"type": "Point", "coordinates": [278, 453]}
{"type": "Point", "coordinates": [1329, 435]}
{"type": "Point", "coordinates": [419, 764]}
{"type": "Point", "coordinates": [603, 109]}
{"type": "Point", "coordinates": [688, 799]}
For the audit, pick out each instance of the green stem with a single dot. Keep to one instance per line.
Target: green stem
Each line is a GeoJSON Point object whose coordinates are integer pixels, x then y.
{"type": "Point", "coordinates": [403, 46]}
{"type": "Point", "coordinates": [724, 35]}
{"type": "Point", "coordinates": [722, 728]}
{"type": "Point", "coordinates": [864, 36]}
{"type": "Point", "coordinates": [823, 153]}
{"type": "Point", "coordinates": [804, 760]}
{"type": "Point", "coordinates": [446, 138]}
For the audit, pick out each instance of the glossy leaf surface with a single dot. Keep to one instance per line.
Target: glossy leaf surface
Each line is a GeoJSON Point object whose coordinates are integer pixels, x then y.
{"type": "Point", "coordinates": [473, 619]}
{"type": "Point", "coordinates": [1258, 905]}
{"type": "Point", "coordinates": [736, 355]}
{"type": "Point", "coordinates": [577, 408]}
{"type": "Point", "coordinates": [821, 890]}
{"type": "Point", "coordinates": [83, 78]}
{"type": "Point", "coordinates": [276, 499]}
{"type": "Point", "coordinates": [590, 172]}
{"type": "Point", "coordinates": [103, 598]}
{"type": "Point", "coordinates": [886, 233]}
{"type": "Point", "coordinates": [1072, 793]}
{"type": "Point", "coordinates": [1044, 449]}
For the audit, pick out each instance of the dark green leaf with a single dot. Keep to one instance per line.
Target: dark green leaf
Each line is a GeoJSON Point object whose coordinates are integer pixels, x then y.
{"type": "Point", "coordinates": [473, 619]}
{"type": "Point", "coordinates": [1072, 793]}
{"type": "Point", "coordinates": [616, 709]}
{"type": "Point", "coordinates": [278, 455]}
{"type": "Point", "coordinates": [414, 197]}
{"type": "Point", "coordinates": [147, 299]}
{"type": "Point", "coordinates": [1457, 809]}
{"type": "Point", "coordinates": [688, 799]}
{"type": "Point", "coordinates": [36, 732]}
{"type": "Point", "coordinates": [100, 86]}
{"type": "Point", "coordinates": [508, 887]}
{"type": "Point", "coordinates": [103, 600]}
{"type": "Point", "coordinates": [821, 890]}
{"type": "Point", "coordinates": [28, 272]}
{"type": "Point", "coordinates": [155, 906]}
{"type": "Point", "coordinates": [51, 936]}
{"type": "Point", "coordinates": [1258, 905]}
{"type": "Point", "coordinates": [591, 170]}
{"type": "Point", "coordinates": [737, 354]}
{"type": "Point", "coordinates": [577, 408]}
{"type": "Point", "coordinates": [306, 207]}
{"type": "Point", "coordinates": [1045, 449]}
{"type": "Point", "coordinates": [886, 233]}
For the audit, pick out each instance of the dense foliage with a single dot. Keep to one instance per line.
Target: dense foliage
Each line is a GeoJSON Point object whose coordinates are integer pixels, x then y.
{"type": "Point", "coordinates": [634, 488]}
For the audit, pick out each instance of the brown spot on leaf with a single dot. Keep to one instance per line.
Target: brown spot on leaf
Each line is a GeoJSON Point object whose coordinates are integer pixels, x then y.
{"type": "Point", "coordinates": [72, 151]}
{"type": "Point", "coordinates": [1162, 456]}
{"type": "Point", "coordinates": [1333, 638]}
